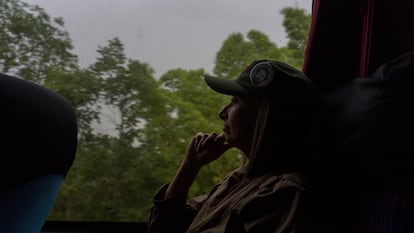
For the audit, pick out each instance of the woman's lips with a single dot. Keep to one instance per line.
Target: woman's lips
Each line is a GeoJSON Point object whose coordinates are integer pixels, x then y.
{"type": "Point", "coordinates": [226, 129]}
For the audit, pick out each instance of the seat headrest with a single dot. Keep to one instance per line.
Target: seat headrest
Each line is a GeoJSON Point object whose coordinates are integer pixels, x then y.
{"type": "Point", "coordinates": [372, 121]}
{"type": "Point", "coordinates": [38, 131]}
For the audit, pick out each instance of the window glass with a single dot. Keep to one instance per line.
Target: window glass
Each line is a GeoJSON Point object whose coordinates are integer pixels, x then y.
{"type": "Point", "coordinates": [133, 71]}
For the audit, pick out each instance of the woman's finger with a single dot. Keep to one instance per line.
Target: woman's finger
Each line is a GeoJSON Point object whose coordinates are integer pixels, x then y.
{"type": "Point", "coordinates": [200, 139]}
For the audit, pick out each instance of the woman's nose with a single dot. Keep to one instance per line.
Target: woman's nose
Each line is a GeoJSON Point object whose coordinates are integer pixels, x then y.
{"type": "Point", "coordinates": [223, 113]}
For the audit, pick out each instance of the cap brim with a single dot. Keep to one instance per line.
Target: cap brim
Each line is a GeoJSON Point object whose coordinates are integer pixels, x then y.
{"type": "Point", "coordinates": [225, 86]}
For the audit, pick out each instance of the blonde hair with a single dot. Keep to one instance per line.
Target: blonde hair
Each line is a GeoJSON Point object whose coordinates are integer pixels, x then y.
{"type": "Point", "coordinates": [256, 157]}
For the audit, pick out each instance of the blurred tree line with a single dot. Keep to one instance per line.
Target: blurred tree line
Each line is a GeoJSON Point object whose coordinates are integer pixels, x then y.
{"type": "Point", "coordinates": [115, 174]}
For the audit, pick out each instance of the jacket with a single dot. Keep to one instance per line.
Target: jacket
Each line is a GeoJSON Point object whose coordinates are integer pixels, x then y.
{"type": "Point", "coordinates": [274, 203]}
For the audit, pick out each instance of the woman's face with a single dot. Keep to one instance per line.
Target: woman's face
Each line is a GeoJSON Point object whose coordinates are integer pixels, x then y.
{"type": "Point", "coordinates": [239, 118]}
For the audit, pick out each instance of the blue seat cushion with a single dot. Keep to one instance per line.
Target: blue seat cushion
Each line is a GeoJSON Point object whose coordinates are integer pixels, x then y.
{"type": "Point", "coordinates": [25, 208]}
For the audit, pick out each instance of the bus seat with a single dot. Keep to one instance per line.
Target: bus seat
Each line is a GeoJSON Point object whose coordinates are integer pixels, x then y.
{"type": "Point", "coordinates": [26, 207]}
{"type": "Point", "coordinates": [386, 212]}
{"type": "Point", "coordinates": [38, 142]}
{"type": "Point", "coordinates": [372, 133]}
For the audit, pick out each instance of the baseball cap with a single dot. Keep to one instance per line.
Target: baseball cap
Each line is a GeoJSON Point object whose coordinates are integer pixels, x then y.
{"type": "Point", "coordinates": [259, 78]}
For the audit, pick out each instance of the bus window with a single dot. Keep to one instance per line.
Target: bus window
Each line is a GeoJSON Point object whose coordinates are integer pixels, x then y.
{"type": "Point", "coordinates": [133, 72]}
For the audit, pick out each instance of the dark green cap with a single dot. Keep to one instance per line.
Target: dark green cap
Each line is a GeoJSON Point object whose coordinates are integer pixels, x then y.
{"type": "Point", "coordinates": [259, 78]}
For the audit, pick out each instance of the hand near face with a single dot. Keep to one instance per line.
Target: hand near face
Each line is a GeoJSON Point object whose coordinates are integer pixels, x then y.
{"type": "Point", "coordinates": [205, 148]}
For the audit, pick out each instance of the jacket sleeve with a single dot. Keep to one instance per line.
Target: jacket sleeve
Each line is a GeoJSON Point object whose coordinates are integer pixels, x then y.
{"type": "Point", "coordinates": [279, 208]}
{"type": "Point", "coordinates": [173, 214]}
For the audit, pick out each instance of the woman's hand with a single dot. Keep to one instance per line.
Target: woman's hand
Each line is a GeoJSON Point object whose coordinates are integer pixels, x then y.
{"type": "Point", "coordinates": [205, 148]}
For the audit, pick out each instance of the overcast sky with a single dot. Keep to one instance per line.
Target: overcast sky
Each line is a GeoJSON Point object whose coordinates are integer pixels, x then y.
{"type": "Point", "coordinates": [166, 34]}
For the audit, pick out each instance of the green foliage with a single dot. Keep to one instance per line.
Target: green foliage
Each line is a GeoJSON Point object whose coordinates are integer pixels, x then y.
{"type": "Point", "coordinates": [129, 88]}
{"type": "Point", "coordinates": [94, 188]}
{"type": "Point", "coordinates": [236, 52]}
{"type": "Point", "coordinates": [32, 42]}
{"type": "Point", "coordinates": [296, 22]}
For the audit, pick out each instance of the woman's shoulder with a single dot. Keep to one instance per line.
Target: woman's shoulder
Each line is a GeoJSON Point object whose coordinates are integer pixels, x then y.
{"type": "Point", "coordinates": [274, 192]}
{"type": "Point", "coordinates": [268, 184]}
{"type": "Point", "coordinates": [276, 181]}
{"type": "Point", "coordinates": [273, 182]}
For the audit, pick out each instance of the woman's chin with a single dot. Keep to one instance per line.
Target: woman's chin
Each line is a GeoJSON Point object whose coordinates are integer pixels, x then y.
{"type": "Point", "coordinates": [229, 140]}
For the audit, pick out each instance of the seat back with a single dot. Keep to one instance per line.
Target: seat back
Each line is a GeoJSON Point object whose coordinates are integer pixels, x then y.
{"type": "Point", "coordinates": [38, 142]}
{"type": "Point", "coordinates": [26, 207]}
{"type": "Point", "coordinates": [372, 133]}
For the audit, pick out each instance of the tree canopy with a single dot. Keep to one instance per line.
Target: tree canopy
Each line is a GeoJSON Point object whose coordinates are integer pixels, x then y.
{"type": "Point", "coordinates": [32, 42]}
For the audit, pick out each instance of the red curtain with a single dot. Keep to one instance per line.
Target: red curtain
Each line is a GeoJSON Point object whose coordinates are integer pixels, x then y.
{"type": "Point", "coordinates": [350, 38]}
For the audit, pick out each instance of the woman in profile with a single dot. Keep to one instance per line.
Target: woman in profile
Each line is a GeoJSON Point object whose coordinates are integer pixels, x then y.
{"type": "Point", "coordinates": [275, 120]}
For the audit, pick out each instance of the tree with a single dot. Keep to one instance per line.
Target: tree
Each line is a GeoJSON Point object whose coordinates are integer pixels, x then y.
{"type": "Point", "coordinates": [127, 86]}
{"type": "Point", "coordinates": [236, 52]}
{"type": "Point", "coordinates": [296, 22]}
{"type": "Point", "coordinates": [31, 42]}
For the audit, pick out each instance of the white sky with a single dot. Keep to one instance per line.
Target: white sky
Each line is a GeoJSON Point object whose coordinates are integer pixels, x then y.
{"type": "Point", "coordinates": [166, 34]}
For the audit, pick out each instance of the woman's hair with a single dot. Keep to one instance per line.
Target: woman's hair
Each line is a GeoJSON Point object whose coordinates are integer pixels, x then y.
{"type": "Point", "coordinates": [288, 130]}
